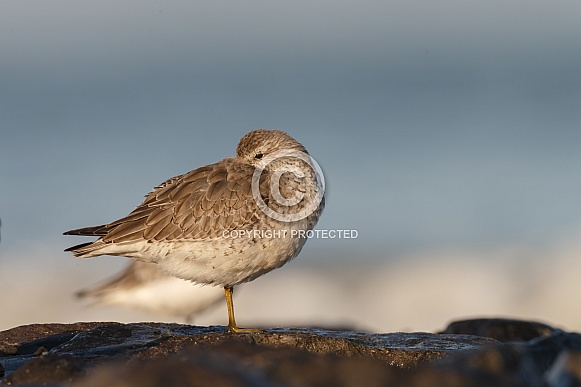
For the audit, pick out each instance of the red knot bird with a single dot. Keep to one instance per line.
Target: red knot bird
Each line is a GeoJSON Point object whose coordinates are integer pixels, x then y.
{"type": "Point", "coordinates": [225, 223]}
{"type": "Point", "coordinates": [146, 287]}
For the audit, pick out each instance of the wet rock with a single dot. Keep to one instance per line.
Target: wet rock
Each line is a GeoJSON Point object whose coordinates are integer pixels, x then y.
{"type": "Point", "coordinates": [517, 363]}
{"type": "Point", "coordinates": [54, 369]}
{"type": "Point", "coordinates": [152, 354]}
{"type": "Point", "coordinates": [495, 366]}
{"type": "Point", "coordinates": [545, 350]}
{"type": "Point", "coordinates": [241, 364]}
{"type": "Point", "coordinates": [566, 370]}
{"type": "Point", "coordinates": [405, 350]}
{"type": "Point", "coordinates": [504, 330]}
{"type": "Point", "coordinates": [26, 339]}
{"type": "Point", "coordinates": [67, 353]}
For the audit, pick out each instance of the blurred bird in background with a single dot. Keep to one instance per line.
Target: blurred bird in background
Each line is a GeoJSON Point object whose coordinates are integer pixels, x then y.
{"type": "Point", "coordinates": [144, 286]}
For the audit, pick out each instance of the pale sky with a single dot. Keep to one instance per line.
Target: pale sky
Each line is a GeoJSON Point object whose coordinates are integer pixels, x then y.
{"type": "Point", "coordinates": [438, 124]}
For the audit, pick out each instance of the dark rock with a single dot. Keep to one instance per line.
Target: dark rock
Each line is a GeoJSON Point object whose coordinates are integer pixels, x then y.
{"type": "Point", "coordinates": [518, 363]}
{"type": "Point", "coordinates": [26, 339]}
{"type": "Point", "coordinates": [503, 365]}
{"type": "Point", "coordinates": [566, 370]}
{"type": "Point", "coordinates": [545, 350]}
{"type": "Point", "coordinates": [54, 369]}
{"type": "Point", "coordinates": [151, 354]}
{"type": "Point", "coordinates": [75, 349]}
{"type": "Point", "coordinates": [405, 350]}
{"type": "Point", "coordinates": [504, 330]}
{"type": "Point", "coordinates": [243, 364]}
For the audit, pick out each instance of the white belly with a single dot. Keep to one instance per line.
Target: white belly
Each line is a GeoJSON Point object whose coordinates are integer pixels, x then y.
{"type": "Point", "coordinates": [223, 261]}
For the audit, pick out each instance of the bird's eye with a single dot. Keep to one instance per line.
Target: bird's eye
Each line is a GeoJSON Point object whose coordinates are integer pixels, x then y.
{"type": "Point", "coordinates": [258, 156]}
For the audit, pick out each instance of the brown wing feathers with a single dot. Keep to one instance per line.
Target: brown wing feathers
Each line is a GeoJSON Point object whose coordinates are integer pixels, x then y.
{"type": "Point", "coordinates": [199, 204]}
{"type": "Point", "coordinates": [87, 231]}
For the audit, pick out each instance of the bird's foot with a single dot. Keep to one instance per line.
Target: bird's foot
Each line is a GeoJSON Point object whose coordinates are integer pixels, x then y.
{"type": "Point", "coordinates": [235, 329]}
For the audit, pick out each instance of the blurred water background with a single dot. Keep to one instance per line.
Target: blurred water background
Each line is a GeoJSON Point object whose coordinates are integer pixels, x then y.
{"type": "Point", "coordinates": [449, 133]}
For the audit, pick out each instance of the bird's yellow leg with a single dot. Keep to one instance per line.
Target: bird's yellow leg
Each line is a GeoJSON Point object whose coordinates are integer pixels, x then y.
{"type": "Point", "coordinates": [228, 291]}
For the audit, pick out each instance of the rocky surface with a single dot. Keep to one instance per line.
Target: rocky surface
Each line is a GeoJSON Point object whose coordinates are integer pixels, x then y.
{"type": "Point", "coordinates": [486, 352]}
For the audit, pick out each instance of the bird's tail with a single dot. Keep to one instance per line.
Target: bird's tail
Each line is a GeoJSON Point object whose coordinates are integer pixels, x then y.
{"type": "Point", "coordinates": [84, 250]}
